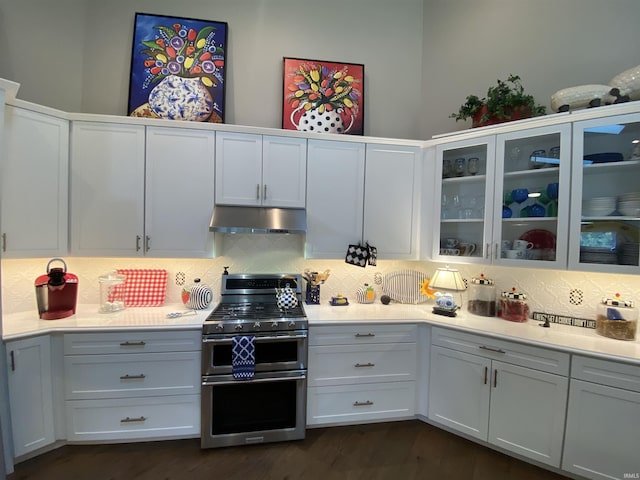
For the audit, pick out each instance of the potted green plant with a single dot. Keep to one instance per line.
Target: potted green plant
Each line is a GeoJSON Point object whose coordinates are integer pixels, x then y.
{"type": "Point", "coordinates": [504, 102]}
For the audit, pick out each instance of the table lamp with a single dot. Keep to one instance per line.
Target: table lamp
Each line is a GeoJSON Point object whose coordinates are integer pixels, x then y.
{"type": "Point", "coordinates": [447, 279]}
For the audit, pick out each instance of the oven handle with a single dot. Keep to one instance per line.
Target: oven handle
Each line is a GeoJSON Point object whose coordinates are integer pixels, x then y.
{"type": "Point", "coordinates": [258, 338]}
{"type": "Point", "coordinates": [229, 380]}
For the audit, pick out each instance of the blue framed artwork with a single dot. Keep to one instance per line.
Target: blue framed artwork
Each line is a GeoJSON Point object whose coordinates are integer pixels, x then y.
{"type": "Point", "coordinates": [178, 69]}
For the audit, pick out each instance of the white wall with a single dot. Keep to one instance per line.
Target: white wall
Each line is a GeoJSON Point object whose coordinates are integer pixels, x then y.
{"type": "Point", "coordinates": [421, 57]}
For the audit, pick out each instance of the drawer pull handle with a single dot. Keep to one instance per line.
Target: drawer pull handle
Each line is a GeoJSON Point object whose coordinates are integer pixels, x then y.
{"type": "Point", "coordinates": [486, 371]}
{"type": "Point", "coordinates": [142, 376]}
{"type": "Point", "coordinates": [492, 349]}
{"type": "Point", "coordinates": [362, 404]}
{"type": "Point", "coordinates": [132, 420]}
{"type": "Point", "coordinates": [13, 361]}
{"type": "Point", "coordinates": [359, 335]}
{"type": "Point", "coordinates": [360, 365]}
{"type": "Point", "coordinates": [495, 378]}
{"type": "Point", "coordinates": [133, 344]}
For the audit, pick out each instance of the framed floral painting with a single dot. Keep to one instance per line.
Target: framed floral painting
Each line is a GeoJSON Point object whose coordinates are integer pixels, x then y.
{"type": "Point", "coordinates": [178, 69]}
{"type": "Point", "coordinates": [321, 96]}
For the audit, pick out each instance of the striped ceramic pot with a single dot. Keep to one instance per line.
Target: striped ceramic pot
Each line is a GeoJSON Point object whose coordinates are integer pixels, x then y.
{"type": "Point", "coordinates": [197, 296]}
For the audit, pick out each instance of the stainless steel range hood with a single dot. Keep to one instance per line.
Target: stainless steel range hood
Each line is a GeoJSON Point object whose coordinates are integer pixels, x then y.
{"type": "Point", "coordinates": [228, 219]}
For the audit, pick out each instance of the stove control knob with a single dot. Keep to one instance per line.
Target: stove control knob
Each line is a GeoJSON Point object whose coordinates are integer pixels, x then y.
{"type": "Point", "coordinates": [239, 326]}
{"type": "Point", "coordinates": [274, 325]}
{"type": "Point", "coordinates": [256, 326]}
{"type": "Point", "coordinates": [292, 324]}
{"type": "Point", "coordinates": [219, 327]}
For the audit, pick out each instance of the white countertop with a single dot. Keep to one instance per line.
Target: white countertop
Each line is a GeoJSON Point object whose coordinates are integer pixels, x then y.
{"type": "Point", "coordinates": [562, 337]}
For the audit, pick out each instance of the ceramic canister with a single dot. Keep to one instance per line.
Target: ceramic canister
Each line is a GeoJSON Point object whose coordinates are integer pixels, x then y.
{"type": "Point", "coordinates": [197, 296]}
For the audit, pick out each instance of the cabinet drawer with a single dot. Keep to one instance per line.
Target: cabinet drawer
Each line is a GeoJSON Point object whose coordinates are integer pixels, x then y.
{"type": "Point", "coordinates": [131, 375]}
{"type": "Point", "coordinates": [366, 333]}
{"type": "Point", "coordinates": [132, 342]}
{"type": "Point", "coordinates": [133, 418]}
{"type": "Point", "coordinates": [360, 403]}
{"type": "Point", "coordinates": [606, 372]}
{"type": "Point", "coordinates": [509, 352]}
{"type": "Point", "coordinates": [349, 364]}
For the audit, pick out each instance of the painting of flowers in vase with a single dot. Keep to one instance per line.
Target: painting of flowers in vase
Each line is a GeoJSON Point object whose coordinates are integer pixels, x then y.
{"type": "Point", "coordinates": [323, 97]}
{"type": "Point", "coordinates": [178, 69]}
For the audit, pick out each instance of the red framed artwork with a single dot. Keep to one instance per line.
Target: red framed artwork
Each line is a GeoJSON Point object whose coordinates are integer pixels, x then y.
{"type": "Point", "coordinates": [323, 97]}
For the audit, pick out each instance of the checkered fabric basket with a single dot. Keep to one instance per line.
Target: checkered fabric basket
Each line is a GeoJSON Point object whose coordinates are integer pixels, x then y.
{"type": "Point", "coordinates": [144, 287]}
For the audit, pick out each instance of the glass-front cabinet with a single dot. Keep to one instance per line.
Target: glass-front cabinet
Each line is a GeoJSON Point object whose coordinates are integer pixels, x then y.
{"type": "Point", "coordinates": [606, 195]}
{"type": "Point", "coordinates": [504, 199]}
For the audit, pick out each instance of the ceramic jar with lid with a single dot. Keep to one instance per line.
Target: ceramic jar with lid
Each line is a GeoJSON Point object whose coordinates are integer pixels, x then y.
{"type": "Point", "coordinates": [513, 306]}
{"type": "Point", "coordinates": [482, 297]}
{"type": "Point", "coordinates": [365, 294]}
{"type": "Point", "coordinates": [197, 296]}
{"type": "Point", "coordinates": [617, 318]}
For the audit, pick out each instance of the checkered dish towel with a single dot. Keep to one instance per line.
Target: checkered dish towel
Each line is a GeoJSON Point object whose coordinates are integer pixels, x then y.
{"type": "Point", "coordinates": [144, 287]}
{"type": "Point", "coordinates": [243, 357]}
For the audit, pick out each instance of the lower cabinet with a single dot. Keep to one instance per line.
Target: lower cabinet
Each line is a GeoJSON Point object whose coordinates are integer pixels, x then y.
{"type": "Point", "coordinates": [30, 394]}
{"type": "Point", "coordinates": [361, 373]}
{"type": "Point", "coordinates": [603, 420]}
{"type": "Point", "coordinates": [132, 385]}
{"type": "Point", "coordinates": [510, 395]}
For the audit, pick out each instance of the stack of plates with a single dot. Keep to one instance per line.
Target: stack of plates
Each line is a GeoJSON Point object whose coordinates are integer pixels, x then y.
{"type": "Point", "coordinates": [598, 206]}
{"type": "Point", "coordinates": [629, 204]}
{"type": "Point", "coordinates": [598, 255]}
{"type": "Point", "coordinates": [629, 253]}
{"type": "Point", "coordinates": [604, 157]}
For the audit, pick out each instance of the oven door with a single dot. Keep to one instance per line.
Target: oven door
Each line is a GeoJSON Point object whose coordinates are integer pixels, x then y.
{"type": "Point", "coordinates": [273, 352]}
{"type": "Point", "coordinates": [269, 408]}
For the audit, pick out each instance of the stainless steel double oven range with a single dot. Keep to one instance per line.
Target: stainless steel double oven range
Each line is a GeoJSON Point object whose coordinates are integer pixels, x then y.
{"type": "Point", "coordinates": [271, 406]}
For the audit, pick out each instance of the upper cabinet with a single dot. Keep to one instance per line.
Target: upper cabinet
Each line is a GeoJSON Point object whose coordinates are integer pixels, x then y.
{"type": "Point", "coordinates": [606, 195]}
{"type": "Point", "coordinates": [391, 200]}
{"type": "Point", "coordinates": [335, 197]}
{"type": "Point", "coordinates": [260, 170]}
{"type": "Point", "coordinates": [504, 199]}
{"type": "Point", "coordinates": [34, 185]}
{"type": "Point", "coordinates": [137, 192]}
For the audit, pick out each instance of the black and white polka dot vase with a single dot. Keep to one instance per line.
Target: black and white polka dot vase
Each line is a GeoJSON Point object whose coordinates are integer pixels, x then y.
{"type": "Point", "coordinates": [197, 296]}
{"type": "Point", "coordinates": [322, 122]}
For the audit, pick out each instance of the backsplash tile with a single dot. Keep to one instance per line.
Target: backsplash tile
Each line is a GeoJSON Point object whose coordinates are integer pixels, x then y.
{"type": "Point", "coordinates": [550, 291]}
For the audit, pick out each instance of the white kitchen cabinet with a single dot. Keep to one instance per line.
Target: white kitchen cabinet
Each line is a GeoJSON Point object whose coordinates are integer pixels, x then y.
{"type": "Point", "coordinates": [132, 385]}
{"type": "Point", "coordinates": [392, 199]}
{"type": "Point", "coordinates": [34, 185]}
{"type": "Point", "coordinates": [605, 197]}
{"type": "Point", "coordinates": [335, 197]}
{"type": "Point", "coordinates": [362, 373]}
{"type": "Point", "coordinates": [30, 394]}
{"type": "Point", "coordinates": [603, 420]}
{"type": "Point", "coordinates": [495, 189]}
{"type": "Point", "coordinates": [511, 395]}
{"type": "Point", "coordinates": [107, 189]}
{"type": "Point", "coordinates": [137, 192]}
{"type": "Point", "coordinates": [179, 192]}
{"type": "Point", "coordinates": [257, 170]}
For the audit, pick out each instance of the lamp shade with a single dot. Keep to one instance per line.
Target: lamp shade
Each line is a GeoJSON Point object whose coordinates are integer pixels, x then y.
{"type": "Point", "coordinates": [447, 279]}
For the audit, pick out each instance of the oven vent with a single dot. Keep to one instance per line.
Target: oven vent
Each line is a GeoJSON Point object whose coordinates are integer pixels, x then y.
{"type": "Point", "coordinates": [230, 219]}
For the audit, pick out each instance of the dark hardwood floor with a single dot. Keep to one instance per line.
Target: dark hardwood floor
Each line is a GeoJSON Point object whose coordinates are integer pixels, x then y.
{"type": "Point", "coordinates": [397, 450]}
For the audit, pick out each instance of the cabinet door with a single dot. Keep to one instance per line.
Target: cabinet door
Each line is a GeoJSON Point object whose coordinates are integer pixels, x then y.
{"type": "Point", "coordinates": [107, 189]}
{"type": "Point", "coordinates": [532, 197]}
{"type": "Point", "coordinates": [464, 198]}
{"type": "Point", "coordinates": [238, 169]}
{"type": "Point", "coordinates": [391, 200]}
{"type": "Point", "coordinates": [335, 197]}
{"type": "Point", "coordinates": [459, 391]}
{"type": "Point", "coordinates": [605, 199]}
{"type": "Point", "coordinates": [30, 394]}
{"type": "Point", "coordinates": [527, 412]}
{"type": "Point", "coordinates": [603, 432]}
{"type": "Point", "coordinates": [34, 185]}
{"type": "Point", "coordinates": [284, 172]}
{"type": "Point", "coordinates": [179, 192]}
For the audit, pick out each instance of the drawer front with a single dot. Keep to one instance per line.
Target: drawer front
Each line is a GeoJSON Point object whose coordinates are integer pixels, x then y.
{"type": "Point", "coordinates": [605, 372]}
{"type": "Point", "coordinates": [134, 418]}
{"type": "Point", "coordinates": [132, 375]}
{"type": "Point", "coordinates": [349, 364]}
{"type": "Point", "coordinates": [527, 356]}
{"type": "Point", "coordinates": [361, 334]}
{"type": "Point", "coordinates": [132, 342]}
{"type": "Point", "coordinates": [360, 403]}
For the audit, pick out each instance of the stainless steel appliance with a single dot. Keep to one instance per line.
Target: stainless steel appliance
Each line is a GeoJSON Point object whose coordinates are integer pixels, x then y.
{"type": "Point", "coordinates": [271, 406]}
